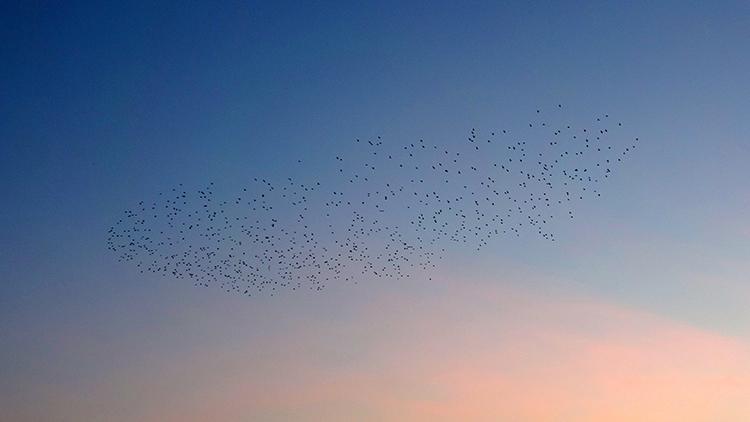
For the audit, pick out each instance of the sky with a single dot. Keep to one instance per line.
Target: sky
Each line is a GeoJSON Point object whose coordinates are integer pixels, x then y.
{"type": "Point", "coordinates": [637, 312]}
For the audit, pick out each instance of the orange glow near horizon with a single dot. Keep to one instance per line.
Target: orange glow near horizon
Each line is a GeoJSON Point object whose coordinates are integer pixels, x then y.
{"type": "Point", "coordinates": [474, 353]}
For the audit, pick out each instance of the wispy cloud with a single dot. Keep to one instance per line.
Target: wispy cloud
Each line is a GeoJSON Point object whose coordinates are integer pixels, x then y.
{"type": "Point", "coordinates": [477, 353]}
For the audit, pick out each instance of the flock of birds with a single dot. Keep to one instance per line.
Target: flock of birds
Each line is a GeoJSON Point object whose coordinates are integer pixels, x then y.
{"type": "Point", "coordinates": [390, 212]}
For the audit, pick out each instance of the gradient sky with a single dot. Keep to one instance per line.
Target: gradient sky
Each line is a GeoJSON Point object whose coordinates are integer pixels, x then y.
{"type": "Point", "coordinates": [638, 312]}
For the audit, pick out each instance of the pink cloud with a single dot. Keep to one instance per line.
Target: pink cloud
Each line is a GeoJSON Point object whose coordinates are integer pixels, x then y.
{"type": "Point", "coordinates": [468, 352]}
{"type": "Point", "coordinates": [493, 354]}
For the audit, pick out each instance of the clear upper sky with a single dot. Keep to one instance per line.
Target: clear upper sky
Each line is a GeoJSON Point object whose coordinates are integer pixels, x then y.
{"type": "Point", "coordinates": [645, 296]}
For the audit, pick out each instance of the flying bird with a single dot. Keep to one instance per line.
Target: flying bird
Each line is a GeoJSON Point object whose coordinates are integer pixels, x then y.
{"type": "Point", "coordinates": [392, 215]}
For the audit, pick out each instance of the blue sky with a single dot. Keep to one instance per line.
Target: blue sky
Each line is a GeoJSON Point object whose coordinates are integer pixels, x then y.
{"type": "Point", "coordinates": [103, 105]}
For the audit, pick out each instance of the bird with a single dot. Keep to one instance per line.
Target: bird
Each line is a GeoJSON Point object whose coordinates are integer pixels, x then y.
{"type": "Point", "coordinates": [392, 210]}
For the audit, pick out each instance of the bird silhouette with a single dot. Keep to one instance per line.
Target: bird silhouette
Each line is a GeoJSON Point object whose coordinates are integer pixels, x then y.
{"type": "Point", "coordinates": [391, 211]}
